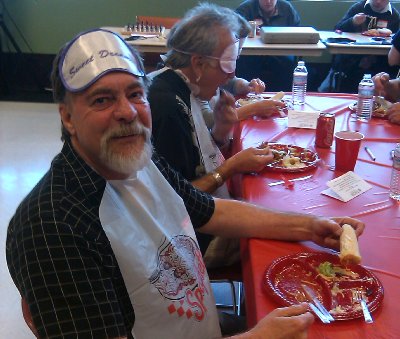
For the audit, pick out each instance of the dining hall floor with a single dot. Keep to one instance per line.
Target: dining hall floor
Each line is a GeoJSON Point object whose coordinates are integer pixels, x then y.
{"type": "Point", "coordinates": [29, 139]}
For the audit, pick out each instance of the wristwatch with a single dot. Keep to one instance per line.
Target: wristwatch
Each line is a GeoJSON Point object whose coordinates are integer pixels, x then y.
{"type": "Point", "coordinates": [218, 178]}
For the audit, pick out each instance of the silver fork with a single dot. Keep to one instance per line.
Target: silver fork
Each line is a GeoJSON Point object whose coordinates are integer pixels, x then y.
{"type": "Point", "coordinates": [360, 298]}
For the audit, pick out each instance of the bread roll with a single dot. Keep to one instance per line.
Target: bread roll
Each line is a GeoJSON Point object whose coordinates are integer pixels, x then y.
{"type": "Point", "coordinates": [349, 251]}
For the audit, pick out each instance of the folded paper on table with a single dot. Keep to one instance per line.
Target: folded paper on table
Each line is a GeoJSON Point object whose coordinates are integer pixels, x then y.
{"type": "Point", "coordinates": [346, 187]}
{"type": "Point", "coordinates": [302, 119]}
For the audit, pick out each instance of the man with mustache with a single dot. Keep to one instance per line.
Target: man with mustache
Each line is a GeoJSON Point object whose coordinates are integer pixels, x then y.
{"type": "Point", "coordinates": [104, 245]}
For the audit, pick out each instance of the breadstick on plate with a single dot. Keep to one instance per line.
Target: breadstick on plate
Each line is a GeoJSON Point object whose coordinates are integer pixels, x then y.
{"type": "Point", "coordinates": [349, 251]}
{"type": "Point", "coordinates": [278, 96]}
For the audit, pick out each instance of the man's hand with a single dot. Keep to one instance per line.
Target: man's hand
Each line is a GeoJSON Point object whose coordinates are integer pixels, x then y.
{"type": "Point", "coordinates": [283, 323]}
{"type": "Point", "coordinates": [326, 231]}
{"type": "Point", "coordinates": [394, 114]}
{"type": "Point", "coordinates": [389, 89]}
{"type": "Point", "coordinates": [381, 81]}
{"type": "Point", "coordinates": [359, 19]}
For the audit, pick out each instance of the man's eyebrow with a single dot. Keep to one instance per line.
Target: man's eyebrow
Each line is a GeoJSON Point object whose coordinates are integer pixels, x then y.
{"type": "Point", "coordinates": [136, 85]}
{"type": "Point", "coordinates": [110, 90]}
{"type": "Point", "coordinates": [99, 91]}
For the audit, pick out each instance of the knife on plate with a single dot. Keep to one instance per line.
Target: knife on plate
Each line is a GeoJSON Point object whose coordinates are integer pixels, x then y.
{"type": "Point", "coordinates": [318, 313]}
{"type": "Point", "coordinates": [290, 180]}
{"type": "Point", "coordinates": [311, 294]}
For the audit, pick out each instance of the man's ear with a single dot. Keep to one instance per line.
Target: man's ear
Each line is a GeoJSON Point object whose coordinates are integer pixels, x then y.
{"type": "Point", "coordinates": [66, 119]}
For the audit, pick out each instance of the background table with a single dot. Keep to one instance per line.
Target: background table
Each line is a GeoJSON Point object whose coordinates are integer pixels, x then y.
{"type": "Point", "coordinates": [252, 46]}
{"type": "Point", "coordinates": [364, 44]}
{"type": "Point", "coordinates": [380, 242]}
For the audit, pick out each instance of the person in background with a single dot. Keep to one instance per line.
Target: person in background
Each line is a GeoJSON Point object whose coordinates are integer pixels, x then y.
{"type": "Point", "coordinates": [350, 69]}
{"type": "Point", "coordinates": [104, 246]}
{"type": "Point", "coordinates": [276, 71]}
{"type": "Point", "coordinates": [269, 12]}
{"type": "Point", "coordinates": [203, 49]}
{"type": "Point", "coordinates": [394, 52]}
{"type": "Point", "coordinates": [390, 90]}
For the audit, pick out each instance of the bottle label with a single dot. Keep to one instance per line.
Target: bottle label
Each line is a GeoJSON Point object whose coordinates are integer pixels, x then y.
{"type": "Point", "coordinates": [366, 92]}
{"type": "Point", "coordinates": [299, 79]}
{"type": "Point", "coordinates": [396, 162]}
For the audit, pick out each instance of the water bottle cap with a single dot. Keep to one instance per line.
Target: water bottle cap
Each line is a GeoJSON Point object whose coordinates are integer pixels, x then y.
{"type": "Point", "coordinates": [301, 63]}
{"type": "Point", "coordinates": [367, 76]}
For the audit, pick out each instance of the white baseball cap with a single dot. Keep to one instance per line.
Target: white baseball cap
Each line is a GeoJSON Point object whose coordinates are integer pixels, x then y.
{"type": "Point", "coordinates": [92, 54]}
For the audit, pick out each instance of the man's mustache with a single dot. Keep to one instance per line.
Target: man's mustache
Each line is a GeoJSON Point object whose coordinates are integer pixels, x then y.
{"type": "Point", "coordinates": [134, 128]}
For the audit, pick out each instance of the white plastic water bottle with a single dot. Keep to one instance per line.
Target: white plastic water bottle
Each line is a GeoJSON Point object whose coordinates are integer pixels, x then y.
{"type": "Point", "coordinates": [365, 98]}
{"type": "Point", "coordinates": [299, 87]}
{"type": "Point", "coordinates": [394, 191]}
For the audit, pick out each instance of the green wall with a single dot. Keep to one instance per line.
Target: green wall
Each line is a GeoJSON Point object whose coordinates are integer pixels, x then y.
{"type": "Point", "coordinates": [47, 24]}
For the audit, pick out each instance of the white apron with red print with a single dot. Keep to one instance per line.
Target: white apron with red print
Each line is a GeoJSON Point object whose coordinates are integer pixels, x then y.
{"type": "Point", "coordinates": [154, 242]}
{"type": "Point", "coordinates": [211, 154]}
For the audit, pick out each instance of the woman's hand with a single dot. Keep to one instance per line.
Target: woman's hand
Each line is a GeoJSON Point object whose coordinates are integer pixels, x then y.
{"type": "Point", "coordinates": [243, 87]}
{"type": "Point", "coordinates": [248, 160]}
{"type": "Point", "coordinates": [257, 86]}
{"type": "Point", "coordinates": [263, 108]}
{"type": "Point", "coordinates": [225, 116]}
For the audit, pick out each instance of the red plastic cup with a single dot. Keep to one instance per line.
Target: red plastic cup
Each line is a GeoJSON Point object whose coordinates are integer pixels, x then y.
{"type": "Point", "coordinates": [347, 147]}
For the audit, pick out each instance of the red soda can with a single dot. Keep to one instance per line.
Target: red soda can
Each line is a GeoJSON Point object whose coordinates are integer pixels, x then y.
{"type": "Point", "coordinates": [325, 129]}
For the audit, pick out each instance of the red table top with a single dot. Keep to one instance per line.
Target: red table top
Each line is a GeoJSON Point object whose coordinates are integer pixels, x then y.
{"type": "Point", "coordinates": [380, 243]}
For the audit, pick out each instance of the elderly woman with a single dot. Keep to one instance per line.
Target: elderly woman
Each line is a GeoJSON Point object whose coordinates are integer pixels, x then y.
{"type": "Point", "coordinates": [203, 51]}
{"type": "Point", "coordinates": [202, 57]}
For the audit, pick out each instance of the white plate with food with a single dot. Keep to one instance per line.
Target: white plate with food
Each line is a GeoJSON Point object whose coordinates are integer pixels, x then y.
{"type": "Point", "coordinates": [292, 158]}
{"type": "Point", "coordinates": [252, 98]}
{"type": "Point", "coordinates": [380, 107]}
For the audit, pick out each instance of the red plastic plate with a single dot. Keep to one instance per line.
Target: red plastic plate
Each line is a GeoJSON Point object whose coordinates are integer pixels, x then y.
{"type": "Point", "coordinates": [283, 278]}
{"type": "Point", "coordinates": [307, 157]}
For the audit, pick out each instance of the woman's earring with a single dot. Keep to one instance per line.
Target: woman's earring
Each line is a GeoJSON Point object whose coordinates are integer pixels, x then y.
{"type": "Point", "coordinates": [198, 79]}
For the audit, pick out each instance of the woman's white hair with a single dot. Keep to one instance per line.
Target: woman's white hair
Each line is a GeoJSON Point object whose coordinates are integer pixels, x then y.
{"type": "Point", "coordinates": [197, 33]}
